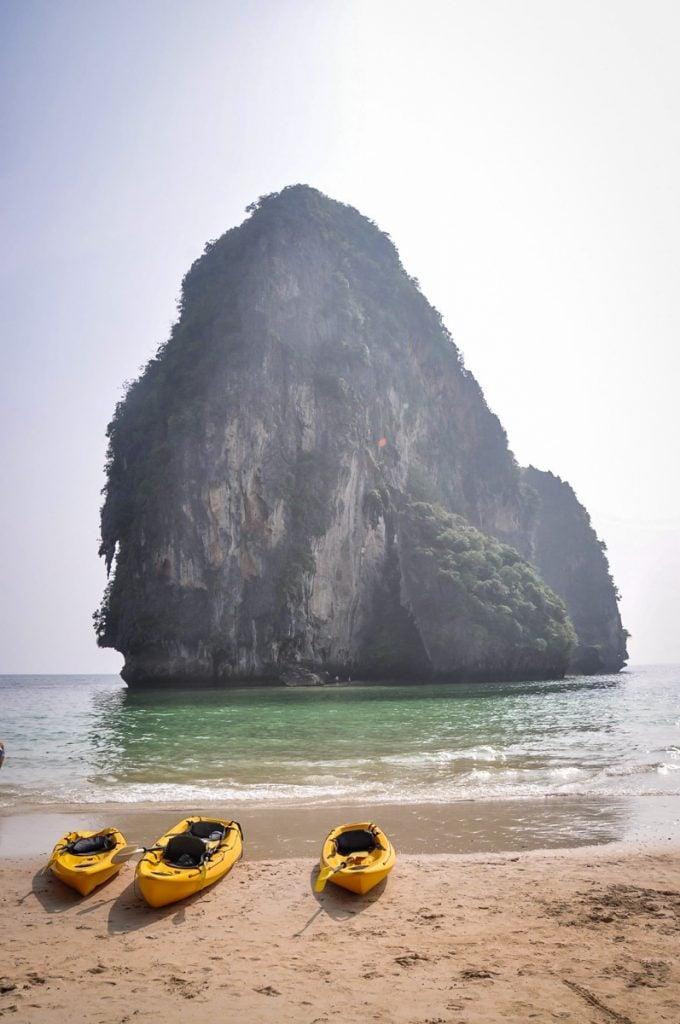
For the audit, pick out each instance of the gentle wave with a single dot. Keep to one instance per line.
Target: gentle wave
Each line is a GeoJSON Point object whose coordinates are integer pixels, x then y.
{"type": "Point", "coordinates": [99, 743]}
{"type": "Point", "coordinates": [436, 757]}
{"type": "Point", "coordinates": [478, 784]}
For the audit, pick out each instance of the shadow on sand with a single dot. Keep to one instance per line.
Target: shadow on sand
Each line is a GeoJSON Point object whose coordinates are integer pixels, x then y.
{"type": "Point", "coordinates": [338, 903]}
{"type": "Point", "coordinates": [129, 912]}
{"type": "Point", "coordinates": [56, 897]}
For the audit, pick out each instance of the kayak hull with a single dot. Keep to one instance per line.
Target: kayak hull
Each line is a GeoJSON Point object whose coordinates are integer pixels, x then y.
{"type": "Point", "coordinates": [85, 873]}
{"type": "Point", "coordinates": [364, 869]}
{"type": "Point", "coordinates": [162, 882]}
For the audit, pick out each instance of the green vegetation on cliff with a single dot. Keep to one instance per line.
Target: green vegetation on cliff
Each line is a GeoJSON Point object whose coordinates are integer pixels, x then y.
{"type": "Point", "coordinates": [480, 604]}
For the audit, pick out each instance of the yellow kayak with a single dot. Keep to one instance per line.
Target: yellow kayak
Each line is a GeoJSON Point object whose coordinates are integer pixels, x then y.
{"type": "Point", "coordinates": [83, 860]}
{"type": "Point", "coordinates": [357, 857]}
{"type": "Point", "coordinates": [194, 854]}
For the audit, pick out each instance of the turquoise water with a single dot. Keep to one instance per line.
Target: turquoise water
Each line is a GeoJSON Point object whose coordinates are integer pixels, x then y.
{"type": "Point", "coordinates": [88, 739]}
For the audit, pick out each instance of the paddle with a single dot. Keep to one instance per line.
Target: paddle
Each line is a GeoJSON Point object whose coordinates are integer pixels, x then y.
{"type": "Point", "coordinates": [325, 874]}
{"type": "Point", "coordinates": [49, 864]}
{"type": "Point", "coordinates": [126, 852]}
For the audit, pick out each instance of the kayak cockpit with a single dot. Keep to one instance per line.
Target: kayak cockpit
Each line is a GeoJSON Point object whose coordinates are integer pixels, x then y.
{"type": "Point", "coordinates": [356, 840]}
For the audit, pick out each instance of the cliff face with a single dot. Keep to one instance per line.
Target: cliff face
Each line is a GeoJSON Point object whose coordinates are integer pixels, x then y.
{"type": "Point", "coordinates": [260, 469]}
{"type": "Point", "coordinates": [573, 562]}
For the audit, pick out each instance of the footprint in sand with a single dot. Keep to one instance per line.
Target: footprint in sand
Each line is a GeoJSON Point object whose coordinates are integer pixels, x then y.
{"type": "Point", "coordinates": [410, 959]}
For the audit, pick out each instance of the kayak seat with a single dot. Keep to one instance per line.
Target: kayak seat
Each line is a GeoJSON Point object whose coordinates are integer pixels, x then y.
{"type": "Point", "coordinates": [212, 830]}
{"type": "Point", "coordinates": [185, 851]}
{"type": "Point", "coordinates": [91, 844]}
{"type": "Point", "coordinates": [354, 840]}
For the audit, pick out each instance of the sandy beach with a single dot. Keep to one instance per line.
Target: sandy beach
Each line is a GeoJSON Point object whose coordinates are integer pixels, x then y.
{"type": "Point", "coordinates": [581, 935]}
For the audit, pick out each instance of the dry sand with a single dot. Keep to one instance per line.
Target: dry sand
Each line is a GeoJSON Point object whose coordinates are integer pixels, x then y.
{"type": "Point", "coordinates": [586, 935]}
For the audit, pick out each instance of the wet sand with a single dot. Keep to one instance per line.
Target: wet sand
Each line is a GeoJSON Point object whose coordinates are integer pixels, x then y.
{"type": "Point", "coordinates": [297, 831]}
{"type": "Point", "coordinates": [583, 935]}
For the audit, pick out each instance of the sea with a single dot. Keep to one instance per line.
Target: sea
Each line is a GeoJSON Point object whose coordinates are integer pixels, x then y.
{"type": "Point", "coordinates": [605, 742]}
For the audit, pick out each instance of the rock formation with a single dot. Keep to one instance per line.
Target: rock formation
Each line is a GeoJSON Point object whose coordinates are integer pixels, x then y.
{"type": "Point", "coordinates": [573, 563]}
{"type": "Point", "coordinates": [305, 481]}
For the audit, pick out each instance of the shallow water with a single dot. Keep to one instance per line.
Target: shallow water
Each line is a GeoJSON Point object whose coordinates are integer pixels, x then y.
{"type": "Point", "coordinates": [89, 740]}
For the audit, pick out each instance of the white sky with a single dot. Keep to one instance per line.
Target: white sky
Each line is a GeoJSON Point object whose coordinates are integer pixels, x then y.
{"type": "Point", "coordinates": [524, 156]}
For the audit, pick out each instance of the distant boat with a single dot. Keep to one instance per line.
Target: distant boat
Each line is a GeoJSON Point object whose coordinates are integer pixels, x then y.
{"type": "Point", "coordinates": [356, 857]}
{"type": "Point", "coordinates": [194, 854]}
{"type": "Point", "coordinates": [84, 860]}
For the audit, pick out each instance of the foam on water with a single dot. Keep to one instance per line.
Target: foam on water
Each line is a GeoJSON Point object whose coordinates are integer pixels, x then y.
{"type": "Point", "coordinates": [89, 740]}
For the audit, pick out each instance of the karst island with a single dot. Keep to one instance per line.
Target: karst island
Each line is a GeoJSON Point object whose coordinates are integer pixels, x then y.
{"type": "Point", "coordinates": [306, 484]}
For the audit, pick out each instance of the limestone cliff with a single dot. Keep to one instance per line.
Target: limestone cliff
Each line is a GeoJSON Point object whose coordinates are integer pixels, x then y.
{"type": "Point", "coordinates": [573, 562]}
{"type": "Point", "coordinates": [262, 468]}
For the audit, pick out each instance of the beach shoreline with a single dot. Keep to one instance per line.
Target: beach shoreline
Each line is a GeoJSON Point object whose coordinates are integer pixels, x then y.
{"type": "Point", "coordinates": [283, 831]}
{"type": "Point", "coordinates": [575, 935]}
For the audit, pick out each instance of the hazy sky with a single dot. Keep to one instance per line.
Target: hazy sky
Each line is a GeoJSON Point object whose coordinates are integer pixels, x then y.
{"type": "Point", "coordinates": [524, 155]}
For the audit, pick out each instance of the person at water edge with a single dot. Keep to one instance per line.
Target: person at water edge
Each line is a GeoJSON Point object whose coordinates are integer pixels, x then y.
{"type": "Point", "coordinates": [2, 753]}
